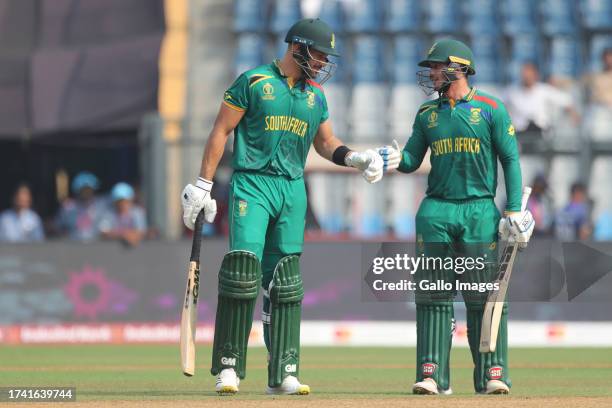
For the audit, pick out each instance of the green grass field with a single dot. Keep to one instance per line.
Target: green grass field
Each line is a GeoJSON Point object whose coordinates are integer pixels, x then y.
{"type": "Point", "coordinates": [102, 373]}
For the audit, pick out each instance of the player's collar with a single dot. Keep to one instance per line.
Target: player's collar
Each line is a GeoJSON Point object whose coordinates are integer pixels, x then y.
{"type": "Point", "coordinates": [468, 97]}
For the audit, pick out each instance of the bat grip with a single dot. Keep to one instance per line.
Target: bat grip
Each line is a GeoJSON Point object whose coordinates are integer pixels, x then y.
{"type": "Point", "coordinates": [525, 197]}
{"type": "Point", "coordinates": [197, 237]}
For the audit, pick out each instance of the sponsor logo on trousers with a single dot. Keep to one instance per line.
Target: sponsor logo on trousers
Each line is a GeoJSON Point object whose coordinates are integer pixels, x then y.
{"type": "Point", "coordinates": [230, 361]}
{"type": "Point", "coordinates": [429, 369]}
{"type": "Point", "coordinates": [291, 368]}
{"type": "Point", "coordinates": [495, 373]}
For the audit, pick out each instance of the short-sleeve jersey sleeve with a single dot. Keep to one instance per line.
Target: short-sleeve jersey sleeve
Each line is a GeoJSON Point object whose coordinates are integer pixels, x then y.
{"type": "Point", "coordinates": [237, 95]}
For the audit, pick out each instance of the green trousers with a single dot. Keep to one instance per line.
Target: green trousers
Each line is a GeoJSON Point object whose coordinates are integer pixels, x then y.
{"type": "Point", "coordinates": [458, 230]}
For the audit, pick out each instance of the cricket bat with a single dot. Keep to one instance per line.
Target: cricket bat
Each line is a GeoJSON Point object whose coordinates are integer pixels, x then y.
{"type": "Point", "coordinates": [495, 300]}
{"type": "Point", "coordinates": [189, 317]}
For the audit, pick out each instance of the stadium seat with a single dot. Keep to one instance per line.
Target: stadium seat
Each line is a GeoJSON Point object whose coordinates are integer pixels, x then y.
{"type": "Point", "coordinates": [248, 16]}
{"type": "Point", "coordinates": [368, 208]}
{"type": "Point", "coordinates": [598, 122]}
{"type": "Point", "coordinates": [332, 13]}
{"type": "Point", "coordinates": [405, 102]}
{"type": "Point", "coordinates": [337, 95]}
{"type": "Point", "coordinates": [402, 16]}
{"type": "Point", "coordinates": [525, 48]}
{"type": "Point", "coordinates": [404, 202]}
{"type": "Point", "coordinates": [599, 43]}
{"type": "Point", "coordinates": [368, 113]}
{"type": "Point", "coordinates": [600, 188]}
{"type": "Point", "coordinates": [367, 64]}
{"type": "Point", "coordinates": [564, 171]}
{"type": "Point", "coordinates": [328, 203]}
{"type": "Point", "coordinates": [596, 14]}
{"type": "Point", "coordinates": [603, 226]}
{"type": "Point", "coordinates": [249, 53]}
{"type": "Point", "coordinates": [442, 16]}
{"type": "Point", "coordinates": [407, 52]}
{"type": "Point", "coordinates": [481, 17]}
{"type": "Point", "coordinates": [364, 16]}
{"type": "Point", "coordinates": [559, 17]}
{"type": "Point", "coordinates": [488, 70]}
{"type": "Point", "coordinates": [518, 17]}
{"type": "Point", "coordinates": [284, 14]}
{"type": "Point", "coordinates": [564, 57]}
{"type": "Point", "coordinates": [531, 166]}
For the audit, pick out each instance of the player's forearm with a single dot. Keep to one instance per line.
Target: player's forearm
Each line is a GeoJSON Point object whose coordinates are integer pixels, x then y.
{"type": "Point", "coordinates": [513, 181]}
{"type": "Point", "coordinates": [327, 147]}
{"type": "Point", "coordinates": [212, 153]}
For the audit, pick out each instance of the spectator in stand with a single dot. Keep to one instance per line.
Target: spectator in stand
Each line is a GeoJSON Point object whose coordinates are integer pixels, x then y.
{"type": "Point", "coordinates": [541, 206]}
{"type": "Point", "coordinates": [79, 217]}
{"type": "Point", "coordinates": [574, 220]}
{"type": "Point", "coordinates": [124, 221]}
{"type": "Point", "coordinates": [600, 84]}
{"type": "Point", "coordinates": [532, 104]}
{"type": "Point", "coordinates": [21, 223]}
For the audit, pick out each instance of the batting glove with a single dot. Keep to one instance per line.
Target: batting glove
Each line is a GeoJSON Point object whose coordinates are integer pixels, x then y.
{"type": "Point", "coordinates": [391, 155]}
{"type": "Point", "coordinates": [517, 227]}
{"type": "Point", "coordinates": [196, 198]}
{"type": "Point", "coordinates": [369, 162]}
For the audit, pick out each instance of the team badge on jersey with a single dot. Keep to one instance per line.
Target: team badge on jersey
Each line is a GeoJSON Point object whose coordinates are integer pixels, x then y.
{"type": "Point", "coordinates": [310, 99]}
{"type": "Point", "coordinates": [268, 92]}
{"type": "Point", "coordinates": [433, 120]}
{"type": "Point", "coordinates": [511, 130]}
{"type": "Point", "coordinates": [474, 116]}
{"type": "Point", "coordinates": [242, 208]}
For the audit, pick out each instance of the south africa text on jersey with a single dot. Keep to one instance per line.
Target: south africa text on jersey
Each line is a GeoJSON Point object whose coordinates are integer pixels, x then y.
{"type": "Point", "coordinates": [286, 123]}
{"type": "Point", "coordinates": [456, 145]}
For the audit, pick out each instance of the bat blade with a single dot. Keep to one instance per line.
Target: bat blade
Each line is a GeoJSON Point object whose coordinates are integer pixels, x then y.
{"type": "Point", "coordinates": [189, 314]}
{"type": "Point", "coordinates": [189, 319]}
{"type": "Point", "coordinates": [494, 307]}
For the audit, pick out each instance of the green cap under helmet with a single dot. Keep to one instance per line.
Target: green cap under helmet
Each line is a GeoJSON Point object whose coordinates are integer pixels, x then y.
{"type": "Point", "coordinates": [314, 33]}
{"type": "Point", "coordinates": [447, 51]}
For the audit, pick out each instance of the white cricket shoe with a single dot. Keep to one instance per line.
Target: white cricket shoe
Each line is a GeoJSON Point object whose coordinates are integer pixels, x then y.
{"type": "Point", "coordinates": [227, 382]}
{"type": "Point", "coordinates": [289, 386]}
{"type": "Point", "coordinates": [497, 387]}
{"type": "Point", "coordinates": [429, 387]}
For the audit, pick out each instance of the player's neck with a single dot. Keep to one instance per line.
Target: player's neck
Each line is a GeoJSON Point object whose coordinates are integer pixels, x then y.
{"type": "Point", "coordinates": [289, 68]}
{"type": "Point", "coordinates": [458, 90]}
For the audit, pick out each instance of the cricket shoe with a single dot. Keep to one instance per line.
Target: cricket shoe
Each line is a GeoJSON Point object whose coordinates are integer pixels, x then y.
{"type": "Point", "coordinates": [227, 382]}
{"type": "Point", "coordinates": [289, 386]}
{"type": "Point", "coordinates": [429, 387]}
{"type": "Point", "coordinates": [496, 387]}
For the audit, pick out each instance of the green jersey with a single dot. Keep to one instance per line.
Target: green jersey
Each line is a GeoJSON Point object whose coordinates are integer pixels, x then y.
{"type": "Point", "coordinates": [466, 138]}
{"type": "Point", "coordinates": [280, 122]}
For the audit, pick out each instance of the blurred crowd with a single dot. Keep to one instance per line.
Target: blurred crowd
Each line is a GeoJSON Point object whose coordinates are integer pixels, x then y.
{"type": "Point", "coordinates": [85, 216]}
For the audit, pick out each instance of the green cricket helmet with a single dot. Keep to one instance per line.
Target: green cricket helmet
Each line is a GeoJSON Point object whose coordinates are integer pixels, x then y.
{"type": "Point", "coordinates": [311, 33]}
{"type": "Point", "coordinates": [450, 51]}
{"type": "Point", "coordinates": [314, 33]}
{"type": "Point", "coordinates": [455, 55]}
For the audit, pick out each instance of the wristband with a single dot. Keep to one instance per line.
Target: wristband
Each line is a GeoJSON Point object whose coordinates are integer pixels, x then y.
{"type": "Point", "coordinates": [340, 154]}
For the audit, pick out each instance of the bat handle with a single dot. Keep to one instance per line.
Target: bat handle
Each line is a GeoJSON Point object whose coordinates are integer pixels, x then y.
{"type": "Point", "coordinates": [525, 197]}
{"type": "Point", "coordinates": [197, 237]}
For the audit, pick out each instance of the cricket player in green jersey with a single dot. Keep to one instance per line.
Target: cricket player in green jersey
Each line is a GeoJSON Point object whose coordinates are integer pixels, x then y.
{"type": "Point", "coordinates": [277, 111]}
{"type": "Point", "coordinates": [467, 131]}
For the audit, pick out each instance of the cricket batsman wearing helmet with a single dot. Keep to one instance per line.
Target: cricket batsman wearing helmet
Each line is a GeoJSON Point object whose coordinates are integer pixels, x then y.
{"type": "Point", "coordinates": [276, 112]}
{"type": "Point", "coordinates": [467, 131]}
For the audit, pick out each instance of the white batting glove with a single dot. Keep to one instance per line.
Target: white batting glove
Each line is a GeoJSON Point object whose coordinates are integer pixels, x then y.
{"type": "Point", "coordinates": [369, 162]}
{"type": "Point", "coordinates": [517, 227]}
{"type": "Point", "coordinates": [196, 198]}
{"type": "Point", "coordinates": [391, 155]}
